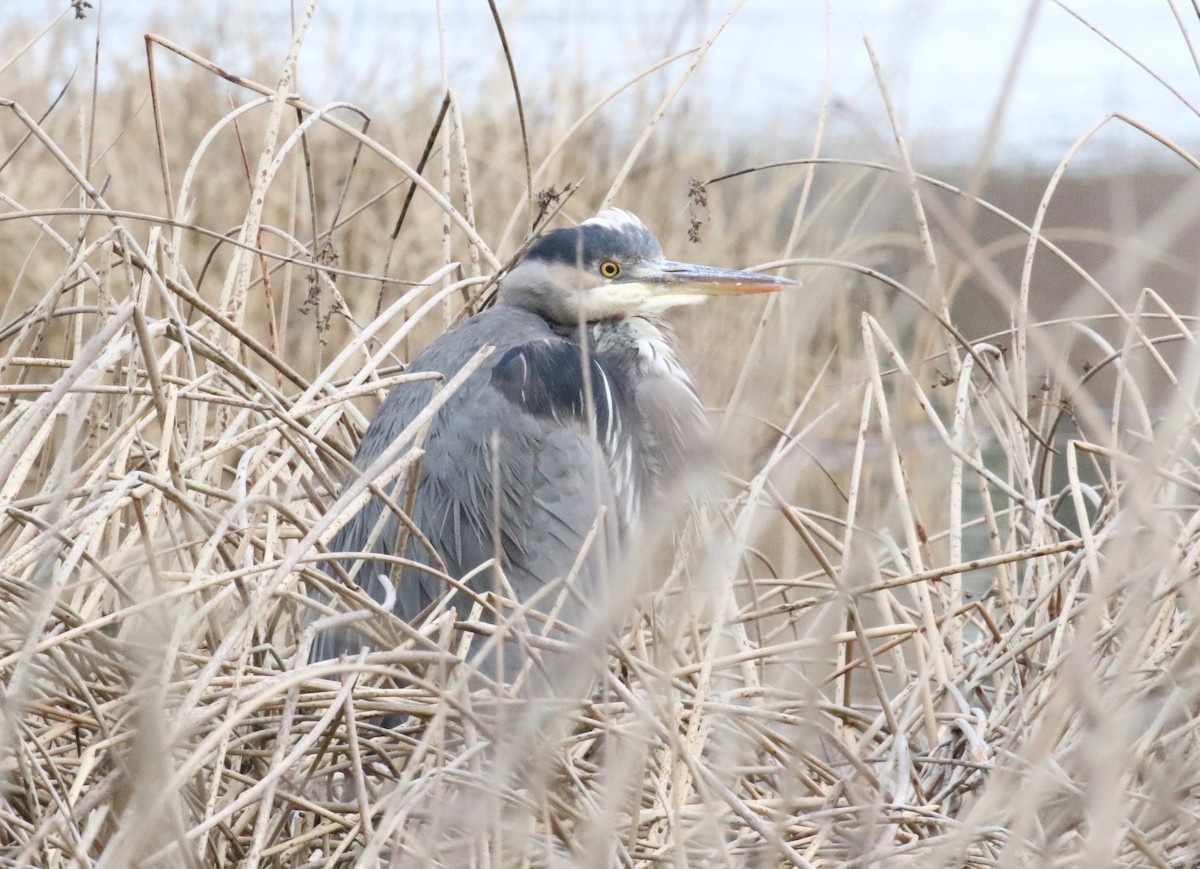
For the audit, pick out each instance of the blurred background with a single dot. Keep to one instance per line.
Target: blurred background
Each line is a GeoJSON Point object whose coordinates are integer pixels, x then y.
{"type": "Point", "coordinates": [950, 64]}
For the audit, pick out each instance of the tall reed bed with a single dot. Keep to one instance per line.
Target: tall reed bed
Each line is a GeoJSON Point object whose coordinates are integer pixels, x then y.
{"type": "Point", "coordinates": [941, 615]}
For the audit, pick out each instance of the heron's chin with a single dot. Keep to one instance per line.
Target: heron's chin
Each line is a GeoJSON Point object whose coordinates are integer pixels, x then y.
{"type": "Point", "coordinates": [614, 301]}
{"type": "Point", "coordinates": [660, 303]}
{"type": "Point", "coordinates": [630, 298]}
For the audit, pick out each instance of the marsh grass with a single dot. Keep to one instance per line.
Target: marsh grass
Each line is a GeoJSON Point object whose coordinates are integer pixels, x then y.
{"type": "Point", "coordinates": [942, 614]}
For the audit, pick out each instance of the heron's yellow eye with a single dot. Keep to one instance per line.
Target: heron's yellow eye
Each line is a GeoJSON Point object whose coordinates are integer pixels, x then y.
{"type": "Point", "coordinates": [609, 269]}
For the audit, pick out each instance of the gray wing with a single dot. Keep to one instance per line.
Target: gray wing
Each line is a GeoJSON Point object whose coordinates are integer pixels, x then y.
{"type": "Point", "coordinates": [506, 425]}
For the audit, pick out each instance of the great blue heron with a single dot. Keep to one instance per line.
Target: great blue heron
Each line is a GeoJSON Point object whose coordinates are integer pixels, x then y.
{"type": "Point", "coordinates": [560, 446]}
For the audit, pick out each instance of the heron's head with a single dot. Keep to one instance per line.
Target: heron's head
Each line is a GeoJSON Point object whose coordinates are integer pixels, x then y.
{"type": "Point", "coordinates": [612, 266]}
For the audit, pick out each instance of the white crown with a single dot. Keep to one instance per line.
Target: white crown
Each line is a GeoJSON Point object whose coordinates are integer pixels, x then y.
{"type": "Point", "coordinates": [617, 219]}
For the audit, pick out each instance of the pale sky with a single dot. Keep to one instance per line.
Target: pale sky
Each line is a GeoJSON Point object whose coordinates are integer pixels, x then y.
{"type": "Point", "coordinates": [944, 60]}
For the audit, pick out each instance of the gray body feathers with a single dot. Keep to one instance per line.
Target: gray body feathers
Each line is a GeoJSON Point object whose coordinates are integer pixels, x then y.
{"type": "Point", "coordinates": [522, 422]}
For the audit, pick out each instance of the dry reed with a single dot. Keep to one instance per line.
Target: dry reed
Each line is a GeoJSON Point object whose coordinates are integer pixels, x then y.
{"type": "Point", "coordinates": [942, 618]}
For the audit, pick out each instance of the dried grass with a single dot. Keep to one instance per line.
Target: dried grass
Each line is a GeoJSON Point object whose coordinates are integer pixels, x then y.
{"type": "Point", "coordinates": [943, 618]}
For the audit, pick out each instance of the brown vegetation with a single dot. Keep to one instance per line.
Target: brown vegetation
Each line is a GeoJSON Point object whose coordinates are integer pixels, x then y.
{"type": "Point", "coordinates": [943, 618]}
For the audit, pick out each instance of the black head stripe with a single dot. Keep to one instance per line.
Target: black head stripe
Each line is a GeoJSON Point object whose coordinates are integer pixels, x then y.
{"type": "Point", "coordinates": [594, 241]}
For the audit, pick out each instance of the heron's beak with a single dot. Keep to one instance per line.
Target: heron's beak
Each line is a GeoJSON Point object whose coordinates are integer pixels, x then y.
{"type": "Point", "coordinates": [684, 279]}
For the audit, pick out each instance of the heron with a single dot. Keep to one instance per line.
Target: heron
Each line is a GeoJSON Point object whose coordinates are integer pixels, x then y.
{"type": "Point", "coordinates": [559, 449]}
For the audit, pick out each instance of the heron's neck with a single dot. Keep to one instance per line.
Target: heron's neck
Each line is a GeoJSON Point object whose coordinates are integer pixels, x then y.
{"type": "Point", "coordinates": [643, 345]}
